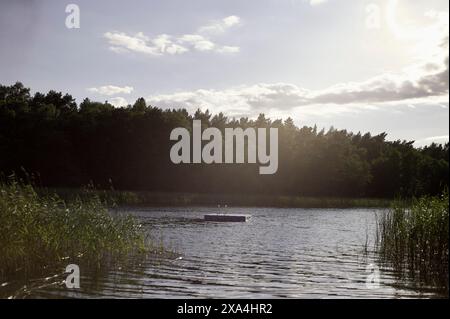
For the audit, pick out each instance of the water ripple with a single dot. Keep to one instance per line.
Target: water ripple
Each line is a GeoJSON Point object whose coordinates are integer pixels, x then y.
{"type": "Point", "coordinates": [279, 253]}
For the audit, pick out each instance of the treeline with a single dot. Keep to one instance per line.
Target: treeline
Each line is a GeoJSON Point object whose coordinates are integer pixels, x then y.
{"type": "Point", "coordinates": [70, 145]}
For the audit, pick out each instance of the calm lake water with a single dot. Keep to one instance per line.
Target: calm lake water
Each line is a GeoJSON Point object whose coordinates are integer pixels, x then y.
{"type": "Point", "coordinates": [278, 253]}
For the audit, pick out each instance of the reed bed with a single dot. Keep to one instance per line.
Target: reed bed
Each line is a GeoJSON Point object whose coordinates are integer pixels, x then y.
{"type": "Point", "coordinates": [41, 231]}
{"type": "Point", "coordinates": [413, 239]}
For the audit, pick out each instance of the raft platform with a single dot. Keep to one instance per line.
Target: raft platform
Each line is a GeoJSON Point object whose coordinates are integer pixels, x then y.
{"type": "Point", "coordinates": [226, 218]}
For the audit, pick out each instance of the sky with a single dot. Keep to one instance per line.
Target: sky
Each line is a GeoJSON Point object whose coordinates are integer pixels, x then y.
{"type": "Point", "coordinates": [370, 66]}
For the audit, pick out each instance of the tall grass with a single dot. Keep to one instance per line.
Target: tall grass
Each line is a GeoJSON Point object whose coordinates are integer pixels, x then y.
{"type": "Point", "coordinates": [39, 231]}
{"type": "Point", "coordinates": [413, 238]}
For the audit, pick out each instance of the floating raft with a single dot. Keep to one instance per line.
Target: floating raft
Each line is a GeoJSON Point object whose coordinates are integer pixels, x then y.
{"type": "Point", "coordinates": [226, 218]}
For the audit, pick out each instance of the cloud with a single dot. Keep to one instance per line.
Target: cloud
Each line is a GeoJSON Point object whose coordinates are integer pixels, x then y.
{"type": "Point", "coordinates": [172, 45]}
{"type": "Point", "coordinates": [199, 42]}
{"type": "Point", "coordinates": [316, 2]}
{"type": "Point", "coordinates": [140, 43]}
{"type": "Point", "coordinates": [109, 90]}
{"type": "Point", "coordinates": [435, 138]}
{"type": "Point", "coordinates": [427, 78]}
{"type": "Point", "coordinates": [118, 101]}
{"type": "Point", "coordinates": [432, 139]}
{"type": "Point", "coordinates": [228, 49]}
{"type": "Point", "coordinates": [220, 26]}
{"type": "Point", "coordinates": [388, 87]}
{"type": "Point", "coordinates": [424, 83]}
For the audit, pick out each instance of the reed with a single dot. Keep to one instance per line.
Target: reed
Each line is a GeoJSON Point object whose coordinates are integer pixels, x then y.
{"type": "Point", "coordinates": [413, 239]}
{"type": "Point", "coordinates": [39, 231]}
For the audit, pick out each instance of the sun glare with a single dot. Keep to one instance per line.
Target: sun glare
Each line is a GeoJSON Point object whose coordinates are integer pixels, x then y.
{"type": "Point", "coordinates": [423, 31]}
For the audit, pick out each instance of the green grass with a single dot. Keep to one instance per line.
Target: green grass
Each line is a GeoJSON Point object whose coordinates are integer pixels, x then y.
{"type": "Point", "coordinates": [42, 231]}
{"type": "Point", "coordinates": [413, 239]}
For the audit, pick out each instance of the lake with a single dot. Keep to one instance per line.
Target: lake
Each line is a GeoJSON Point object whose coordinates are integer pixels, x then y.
{"type": "Point", "coordinates": [278, 253]}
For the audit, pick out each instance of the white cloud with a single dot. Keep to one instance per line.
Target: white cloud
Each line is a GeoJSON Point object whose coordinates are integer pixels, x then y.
{"type": "Point", "coordinates": [316, 2]}
{"type": "Point", "coordinates": [109, 90]}
{"type": "Point", "coordinates": [435, 138]}
{"type": "Point", "coordinates": [123, 42]}
{"type": "Point", "coordinates": [163, 43]}
{"type": "Point", "coordinates": [426, 79]}
{"type": "Point", "coordinates": [432, 139]}
{"type": "Point", "coordinates": [118, 101]}
{"type": "Point", "coordinates": [140, 43]}
{"type": "Point", "coordinates": [167, 44]}
{"type": "Point", "coordinates": [228, 49]}
{"type": "Point", "coordinates": [231, 21]}
{"type": "Point", "coordinates": [407, 86]}
{"type": "Point", "coordinates": [220, 26]}
{"type": "Point", "coordinates": [199, 42]}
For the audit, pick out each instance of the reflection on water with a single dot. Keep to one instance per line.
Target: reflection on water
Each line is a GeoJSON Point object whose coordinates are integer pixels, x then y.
{"type": "Point", "coordinates": [294, 253]}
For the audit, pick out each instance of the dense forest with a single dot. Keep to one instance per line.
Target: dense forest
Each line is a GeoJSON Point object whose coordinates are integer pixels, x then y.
{"type": "Point", "coordinates": [70, 145]}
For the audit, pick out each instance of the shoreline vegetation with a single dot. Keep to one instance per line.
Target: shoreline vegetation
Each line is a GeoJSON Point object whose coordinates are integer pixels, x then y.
{"type": "Point", "coordinates": [412, 238]}
{"type": "Point", "coordinates": [40, 233]}
{"type": "Point", "coordinates": [166, 199]}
